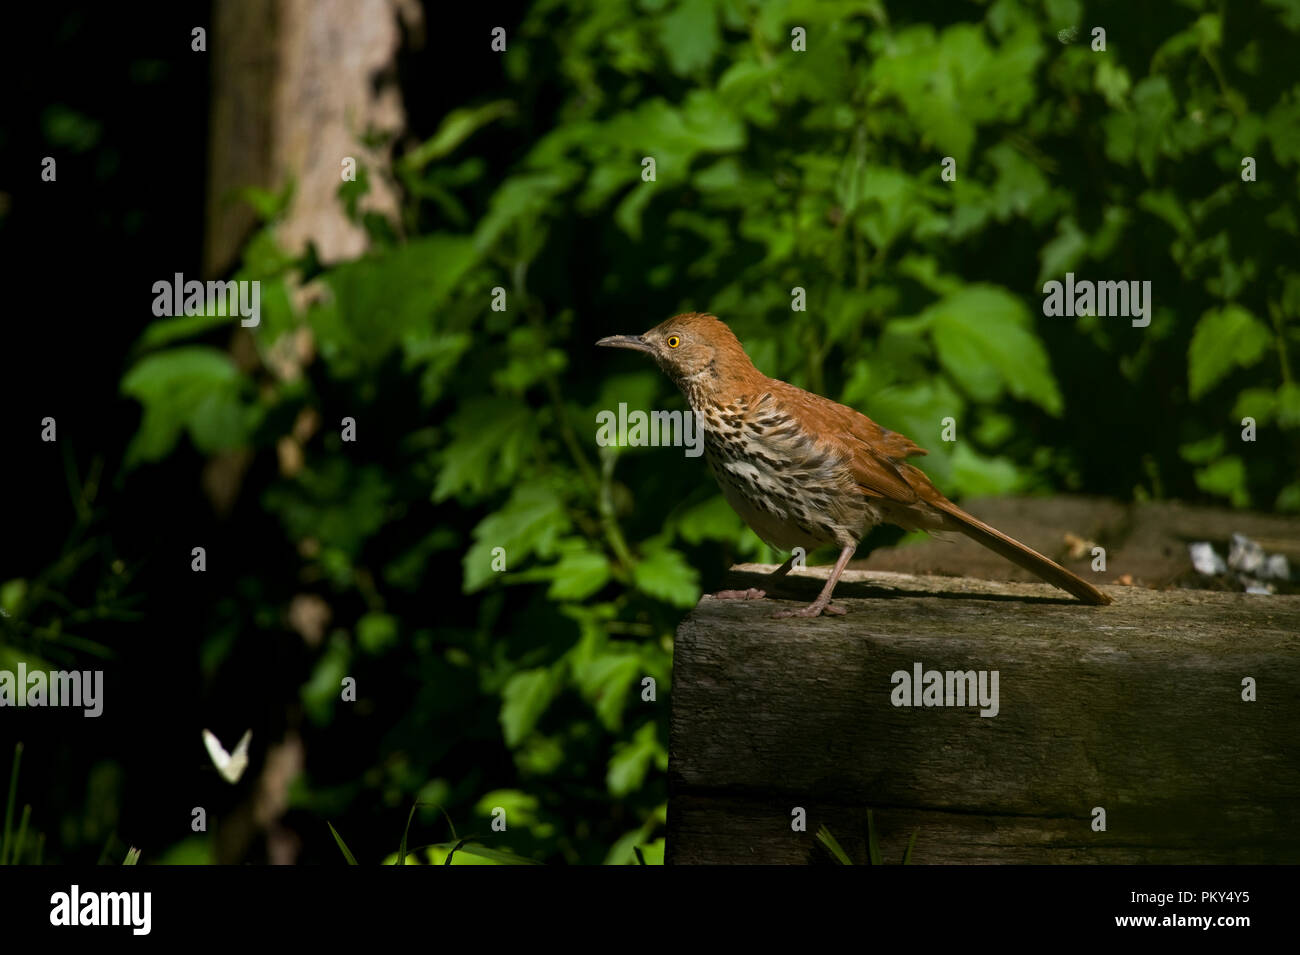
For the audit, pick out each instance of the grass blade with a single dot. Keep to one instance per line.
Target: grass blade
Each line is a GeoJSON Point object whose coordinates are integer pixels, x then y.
{"type": "Point", "coordinates": [401, 849]}
{"type": "Point", "coordinates": [451, 825]}
{"type": "Point", "coordinates": [831, 843]}
{"type": "Point", "coordinates": [347, 853]}
{"type": "Point", "coordinates": [501, 856]}
{"type": "Point", "coordinates": [447, 861]}
{"type": "Point", "coordinates": [907, 856]}
{"type": "Point", "coordinates": [504, 856]}
{"type": "Point", "coordinates": [873, 847]}
{"type": "Point", "coordinates": [6, 841]}
{"type": "Point", "coordinates": [22, 835]}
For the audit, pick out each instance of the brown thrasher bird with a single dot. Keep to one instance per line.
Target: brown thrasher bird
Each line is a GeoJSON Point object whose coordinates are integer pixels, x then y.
{"type": "Point", "coordinates": [803, 471]}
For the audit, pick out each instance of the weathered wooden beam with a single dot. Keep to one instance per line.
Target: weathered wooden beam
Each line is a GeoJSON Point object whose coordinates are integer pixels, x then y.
{"type": "Point", "coordinates": [1145, 542]}
{"type": "Point", "coordinates": [1136, 708]}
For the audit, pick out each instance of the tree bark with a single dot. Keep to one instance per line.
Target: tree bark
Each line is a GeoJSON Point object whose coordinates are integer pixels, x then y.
{"type": "Point", "coordinates": [296, 85]}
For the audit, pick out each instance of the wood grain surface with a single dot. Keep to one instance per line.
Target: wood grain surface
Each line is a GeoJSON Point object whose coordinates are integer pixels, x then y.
{"type": "Point", "coordinates": [1135, 708]}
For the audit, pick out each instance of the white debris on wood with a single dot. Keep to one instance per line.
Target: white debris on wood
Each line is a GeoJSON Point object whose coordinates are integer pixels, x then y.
{"type": "Point", "coordinates": [1247, 563]}
{"type": "Point", "coordinates": [1205, 560]}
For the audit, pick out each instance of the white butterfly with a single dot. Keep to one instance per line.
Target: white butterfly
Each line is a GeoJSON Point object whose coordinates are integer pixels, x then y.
{"type": "Point", "coordinates": [230, 765]}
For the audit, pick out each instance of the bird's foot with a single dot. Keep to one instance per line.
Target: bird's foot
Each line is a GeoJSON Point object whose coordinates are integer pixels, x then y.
{"type": "Point", "coordinates": [814, 609]}
{"type": "Point", "coordinates": [753, 593]}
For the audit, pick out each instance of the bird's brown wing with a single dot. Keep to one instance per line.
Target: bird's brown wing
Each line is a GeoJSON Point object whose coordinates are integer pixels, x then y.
{"type": "Point", "coordinates": [877, 461]}
{"type": "Point", "coordinates": [876, 457]}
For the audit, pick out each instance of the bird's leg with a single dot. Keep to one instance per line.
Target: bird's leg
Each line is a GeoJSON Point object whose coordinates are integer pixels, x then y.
{"type": "Point", "coordinates": [823, 602]}
{"type": "Point", "coordinates": [753, 593]}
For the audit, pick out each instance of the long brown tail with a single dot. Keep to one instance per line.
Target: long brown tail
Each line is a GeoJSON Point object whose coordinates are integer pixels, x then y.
{"type": "Point", "coordinates": [1019, 554]}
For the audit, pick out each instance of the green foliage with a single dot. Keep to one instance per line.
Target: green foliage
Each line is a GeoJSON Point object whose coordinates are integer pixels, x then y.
{"type": "Point", "coordinates": [1225, 338]}
{"type": "Point", "coordinates": [874, 856]}
{"type": "Point", "coordinates": [343, 846]}
{"type": "Point", "coordinates": [195, 389]}
{"type": "Point", "coordinates": [459, 851]}
{"type": "Point", "coordinates": [477, 539]}
{"type": "Point", "coordinates": [983, 340]}
{"type": "Point", "coordinates": [11, 849]}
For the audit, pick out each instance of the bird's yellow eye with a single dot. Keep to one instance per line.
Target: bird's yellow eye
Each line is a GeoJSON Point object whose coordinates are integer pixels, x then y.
{"type": "Point", "coordinates": [673, 341]}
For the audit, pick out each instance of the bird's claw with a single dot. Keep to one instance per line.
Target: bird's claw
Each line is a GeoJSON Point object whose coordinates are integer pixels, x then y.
{"type": "Point", "coordinates": [813, 610]}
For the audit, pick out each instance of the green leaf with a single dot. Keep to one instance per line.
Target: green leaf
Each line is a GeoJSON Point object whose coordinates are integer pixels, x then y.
{"type": "Point", "coordinates": [532, 522]}
{"type": "Point", "coordinates": [979, 475]}
{"type": "Point", "coordinates": [218, 421]}
{"type": "Point", "coordinates": [520, 807]}
{"type": "Point", "coordinates": [1167, 205]}
{"type": "Point", "coordinates": [711, 519]}
{"type": "Point", "coordinates": [326, 684]}
{"type": "Point", "coordinates": [522, 199]}
{"type": "Point", "coordinates": [983, 340]}
{"type": "Point", "coordinates": [1288, 13]}
{"type": "Point", "coordinates": [267, 204]}
{"type": "Point", "coordinates": [156, 376]}
{"type": "Point", "coordinates": [376, 632]}
{"type": "Point", "coordinates": [1199, 452]}
{"type": "Point", "coordinates": [339, 504]}
{"type": "Point", "coordinates": [630, 849]}
{"type": "Point", "coordinates": [606, 682]}
{"type": "Point", "coordinates": [664, 574]}
{"type": "Point", "coordinates": [652, 853]}
{"type": "Point", "coordinates": [632, 760]}
{"type": "Point", "coordinates": [690, 36]}
{"type": "Point", "coordinates": [531, 359]}
{"type": "Point", "coordinates": [1064, 252]}
{"type": "Point", "coordinates": [1145, 133]}
{"type": "Point", "coordinates": [456, 127]}
{"type": "Point", "coordinates": [12, 593]}
{"type": "Point", "coordinates": [579, 573]}
{"type": "Point", "coordinates": [1288, 405]}
{"type": "Point", "coordinates": [1226, 477]}
{"type": "Point", "coordinates": [1112, 82]}
{"type": "Point", "coordinates": [490, 438]}
{"type": "Point", "coordinates": [381, 300]}
{"type": "Point", "coordinates": [1288, 499]}
{"type": "Point", "coordinates": [194, 388]}
{"type": "Point", "coordinates": [628, 213]}
{"type": "Point", "coordinates": [1257, 403]}
{"type": "Point", "coordinates": [437, 354]}
{"type": "Point", "coordinates": [168, 330]}
{"type": "Point", "coordinates": [1224, 338]}
{"type": "Point", "coordinates": [526, 697]}
{"type": "Point", "coordinates": [1283, 126]}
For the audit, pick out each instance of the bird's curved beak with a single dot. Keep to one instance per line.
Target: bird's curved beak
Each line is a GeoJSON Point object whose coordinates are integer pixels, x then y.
{"type": "Point", "coordinates": [634, 342]}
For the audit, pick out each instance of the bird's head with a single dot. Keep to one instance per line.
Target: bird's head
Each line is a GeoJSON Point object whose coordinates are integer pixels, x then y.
{"type": "Point", "coordinates": [697, 351]}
